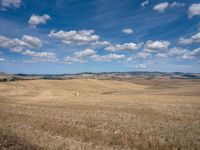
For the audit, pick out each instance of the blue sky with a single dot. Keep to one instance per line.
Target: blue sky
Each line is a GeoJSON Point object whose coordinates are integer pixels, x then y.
{"type": "Point", "coordinates": [70, 36]}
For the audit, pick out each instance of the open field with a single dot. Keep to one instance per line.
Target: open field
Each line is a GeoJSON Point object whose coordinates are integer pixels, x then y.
{"type": "Point", "coordinates": [136, 114]}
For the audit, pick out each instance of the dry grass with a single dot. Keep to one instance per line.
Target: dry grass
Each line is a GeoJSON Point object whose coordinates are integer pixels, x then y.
{"type": "Point", "coordinates": [46, 114]}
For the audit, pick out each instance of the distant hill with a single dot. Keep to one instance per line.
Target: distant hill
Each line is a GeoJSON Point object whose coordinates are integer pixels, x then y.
{"type": "Point", "coordinates": [5, 76]}
{"type": "Point", "coordinates": [101, 75]}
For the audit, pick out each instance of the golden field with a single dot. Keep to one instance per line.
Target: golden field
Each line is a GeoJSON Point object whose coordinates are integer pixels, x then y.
{"type": "Point", "coordinates": [107, 114]}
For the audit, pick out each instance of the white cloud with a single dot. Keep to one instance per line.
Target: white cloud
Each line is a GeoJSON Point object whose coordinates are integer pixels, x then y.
{"type": "Point", "coordinates": [79, 56]}
{"type": "Point", "coordinates": [161, 7]}
{"type": "Point", "coordinates": [196, 38]}
{"type": "Point", "coordinates": [85, 53]}
{"type": "Point", "coordinates": [24, 44]}
{"type": "Point", "coordinates": [48, 56]}
{"type": "Point", "coordinates": [77, 37]}
{"type": "Point", "coordinates": [184, 53]}
{"type": "Point", "coordinates": [196, 52]}
{"type": "Point", "coordinates": [89, 53]}
{"type": "Point", "coordinates": [124, 47]}
{"type": "Point", "coordinates": [130, 58]}
{"type": "Point", "coordinates": [154, 46]}
{"type": "Point", "coordinates": [127, 31]}
{"type": "Point", "coordinates": [177, 51]}
{"type": "Point", "coordinates": [108, 57]}
{"type": "Point", "coordinates": [180, 53]}
{"type": "Point", "coordinates": [143, 4]}
{"type": "Point", "coordinates": [100, 43]}
{"type": "Point", "coordinates": [140, 66]}
{"type": "Point", "coordinates": [2, 59]}
{"type": "Point", "coordinates": [36, 20]}
{"type": "Point", "coordinates": [31, 40]}
{"type": "Point", "coordinates": [187, 56]}
{"type": "Point", "coordinates": [185, 41]}
{"type": "Point", "coordinates": [6, 42]}
{"type": "Point", "coordinates": [18, 45]}
{"type": "Point", "coordinates": [143, 55]}
{"type": "Point", "coordinates": [193, 39]}
{"type": "Point", "coordinates": [10, 3]}
{"type": "Point", "coordinates": [71, 60]}
{"type": "Point", "coordinates": [177, 4]}
{"type": "Point", "coordinates": [161, 55]}
{"type": "Point", "coordinates": [194, 10]}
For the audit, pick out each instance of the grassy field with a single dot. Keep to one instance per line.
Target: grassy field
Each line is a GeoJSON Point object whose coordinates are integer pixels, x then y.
{"type": "Point", "coordinates": [107, 114]}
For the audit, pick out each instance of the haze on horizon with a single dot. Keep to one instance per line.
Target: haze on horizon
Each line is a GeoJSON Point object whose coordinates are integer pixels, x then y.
{"type": "Point", "coordinates": [58, 36]}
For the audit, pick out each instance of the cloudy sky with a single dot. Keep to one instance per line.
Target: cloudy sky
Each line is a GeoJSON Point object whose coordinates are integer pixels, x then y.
{"type": "Point", "coordinates": [70, 36]}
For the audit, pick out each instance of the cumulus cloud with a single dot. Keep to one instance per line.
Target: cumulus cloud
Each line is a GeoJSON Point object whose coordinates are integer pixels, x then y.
{"type": "Point", "coordinates": [196, 52]}
{"type": "Point", "coordinates": [31, 40]}
{"type": "Point", "coordinates": [2, 59]}
{"type": "Point", "coordinates": [196, 38]}
{"type": "Point", "coordinates": [10, 3]}
{"type": "Point", "coordinates": [177, 51]}
{"type": "Point", "coordinates": [71, 60]}
{"type": "Point", "coordinates": [18, 45]}
{"type": "Point", "coordinates": [130, 58]}
{"type": "Point", "coordinates": [24, 44]}
{"type": "Point", "coordinates": [161, 55]}
{"type": "Point", "coordinates": [143, 4]}
{"type": "Point", "coordinates": [100, 43]}
{"type": "Point", "coordinates": [185, 54]}
{"type": "Point", "coordinates": [127, 31]}
{"type": "Point", "coordinates": [177, 4]}
{"type": "Point", "coordinates": [143, 55]}
{"type": "Point", "coordinates": [6, 42]}
{"type": "Point", "coordinates": [140, 66]}
{"type": "Point", "coordinates": [180, 53]}
{"type": "Point", "coordinates": [185, 41]}
{"type": "Point", "coordinates": [194, 10]}
{"type": "Point", "coordinates": [36, 20]}
{"type": "Point", "coordinates": [161, 7]}
{"type": "Point", "coordinates": [77, 37]}
{"type": "Point", "coordinates": [79, 56]}
{"type": "Point", "coordinates": [47, 56]}
{"type": "Point", "coordinates": [154, 46]}
{"type": "Point", "coordinates": [85, 53]}
{"type": "Point", "coordinates": [108, 57]}
{"type": "Point", "coordinates": [124, 47]}
{"type": "Point", "coordinates": [193, 39]}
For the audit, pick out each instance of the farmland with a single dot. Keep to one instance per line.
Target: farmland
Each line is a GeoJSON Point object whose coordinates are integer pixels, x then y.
{"type": "Point", "coordinates": [107, 114]}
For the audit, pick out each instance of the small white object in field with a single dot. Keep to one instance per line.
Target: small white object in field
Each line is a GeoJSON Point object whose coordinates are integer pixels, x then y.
{"type": "Point", "coordinates": [76, 94]}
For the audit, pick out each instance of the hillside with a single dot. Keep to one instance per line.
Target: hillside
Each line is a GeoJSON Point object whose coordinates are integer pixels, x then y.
{"type": "Point", "coordinates": [47, 114]}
